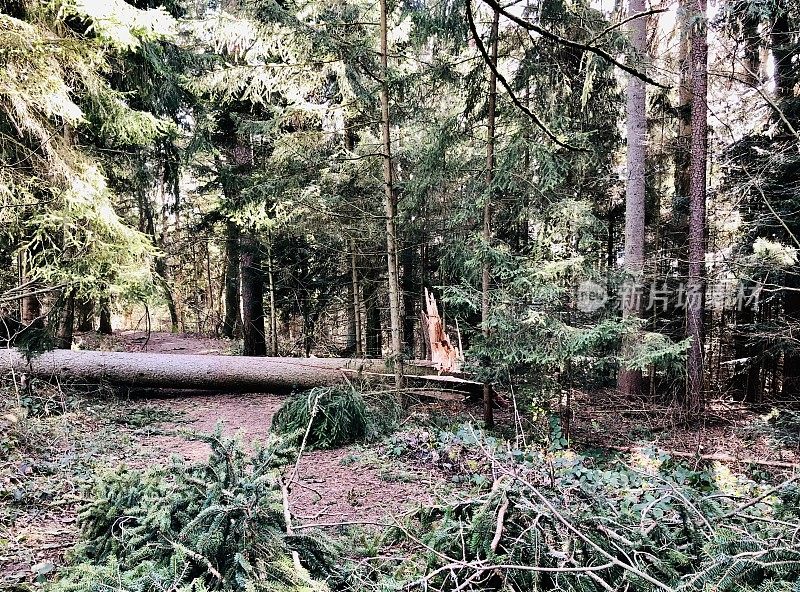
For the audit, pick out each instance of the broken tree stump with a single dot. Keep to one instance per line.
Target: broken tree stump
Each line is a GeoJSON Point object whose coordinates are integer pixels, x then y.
{"type": "Point", "coordinates": [445, 356]}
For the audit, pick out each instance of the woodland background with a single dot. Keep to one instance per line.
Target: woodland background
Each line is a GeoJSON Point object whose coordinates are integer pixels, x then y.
{"type": "Point", "coordinates": [603, 197]}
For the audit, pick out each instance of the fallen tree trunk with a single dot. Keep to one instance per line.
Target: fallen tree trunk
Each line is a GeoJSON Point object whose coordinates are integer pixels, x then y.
{"type": "Point", "coordinates": [188, 371]}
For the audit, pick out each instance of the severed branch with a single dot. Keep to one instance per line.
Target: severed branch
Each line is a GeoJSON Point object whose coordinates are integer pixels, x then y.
{"type": "Point", "coordinates": [761, 497]}
{"type": "Point", "coordinates": [498, 531]}
{"type": "Point", "coordinates": [10, 297]}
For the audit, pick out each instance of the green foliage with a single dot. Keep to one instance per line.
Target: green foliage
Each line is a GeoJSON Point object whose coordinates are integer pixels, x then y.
{"type": "Point", "coordinates": [780, 426]}
{"type": "Point", "coordinates": [338, 416]}
{"type": "Point", "coordinates": [217, 525]}
{"type": "Point", "coordinates": [557, 521]}
{"type": "Point", "coordinates": [56, 208]}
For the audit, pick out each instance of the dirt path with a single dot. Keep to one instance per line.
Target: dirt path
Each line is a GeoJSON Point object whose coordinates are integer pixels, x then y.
{"type": "Point", "coordinates": [66, 452]}
{"type": "Point", "coordinates": [347, 484]}
{"type": "Point", "coordinates": [165, 343]}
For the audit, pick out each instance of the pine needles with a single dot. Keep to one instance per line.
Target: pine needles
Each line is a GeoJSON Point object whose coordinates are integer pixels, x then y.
{"type": "Point", "coordinates": [337, 415]}
{"type": "Point", "coordinates": [212, 526]}
{"type": "Point", "coordinates": [557, 522]}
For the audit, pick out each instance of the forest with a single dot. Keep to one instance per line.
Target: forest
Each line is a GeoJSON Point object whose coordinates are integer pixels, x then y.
{"type": "Point", "coordinates": [399, 295]}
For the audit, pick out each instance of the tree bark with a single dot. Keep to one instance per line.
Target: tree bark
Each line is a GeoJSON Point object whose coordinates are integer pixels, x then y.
{"type": "Point", "coordinates": [162, 271]}
{"type": "Point", "coordinates": [488, 396]}
{"type": "Point", "coordinates": [410, 300]}
{"type": "Point", "coordinates": [105, 317]}
{"type": "Point", "coordinates": [783, 50]}
{"type": "Point", "coordinates": [390, 207]}
{"type": "Point", "coordinates": [31, 306]}
{"type": "Point", "coordinates": [232, 324]}
{"type": "Point", "coordinates": [697, 210]}
{"type": "Point", "coordinates": [630, 380]}
{"type": "Point", "coordinates": [85, 312]}
{"type": "Point", "coordinates": [252, 298]}
{"type": "Point", "coordinates": [356, 302]}
{"type": "Point", "coordinates": [156, 370]}
{"type": "Point", "coordinates": [66, 321]}
{"type": "Point", "coordinates": [684, 128]}
{"type": "Point", "coordinates": [273, 309]}
{"type": "Point", "coordinates": [373, 337]}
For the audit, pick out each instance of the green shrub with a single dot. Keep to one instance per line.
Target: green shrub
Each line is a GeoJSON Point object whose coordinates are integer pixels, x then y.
{"type": "Point", "coordinates": [339, 417]}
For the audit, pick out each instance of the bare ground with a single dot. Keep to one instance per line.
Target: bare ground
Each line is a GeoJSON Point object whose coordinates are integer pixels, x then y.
{"type": "Point", "coordinates": [345, 484]}
{"type": "Point", "coordinates": [608, 419]}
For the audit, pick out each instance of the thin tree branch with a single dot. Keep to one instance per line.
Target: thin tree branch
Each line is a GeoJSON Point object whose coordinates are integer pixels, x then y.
{"type": "Point", "coordinates": [539, 123]}
{"type": "Point", "coordinates": [628, 19]}
{"type": "Point", "coordinates": [575, 44]}
{"type": "Point", "coordinates": [33, 293]}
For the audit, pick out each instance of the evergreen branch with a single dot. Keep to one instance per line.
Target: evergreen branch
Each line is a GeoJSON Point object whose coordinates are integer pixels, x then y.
{"type": "Point", "coordinates": [574, 44]}
{"type": "Point", "coordinates": [539, 123]}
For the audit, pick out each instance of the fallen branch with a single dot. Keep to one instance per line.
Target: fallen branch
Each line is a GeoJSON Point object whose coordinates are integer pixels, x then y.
{"type": "Point", "coordinates": [498, 531]}
{"type": "Point", "coordinates": [712, 457]}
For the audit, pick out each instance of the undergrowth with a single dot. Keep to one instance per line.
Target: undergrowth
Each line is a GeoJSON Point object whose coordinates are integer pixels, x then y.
{"type": "Point", "coordinates": [217, 525]}
{"type": "Point", "coordinates": [782, 426]}
{"type": "Point", "coordinates": [555, 520]}
{"type": "Point", "coordinates": [536, 517]}
{"type": "Point", "coordinates": [337, 415]}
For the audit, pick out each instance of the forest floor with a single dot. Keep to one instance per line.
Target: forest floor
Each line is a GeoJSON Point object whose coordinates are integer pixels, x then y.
{"type": "Point", "coordinates": [60, 455]}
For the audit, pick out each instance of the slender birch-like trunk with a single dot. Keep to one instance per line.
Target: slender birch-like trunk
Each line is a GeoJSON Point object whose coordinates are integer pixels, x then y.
{"type": "Point", "coordinates": [697, 209]}
{"type": "Point", "coordinates": [390, 206]}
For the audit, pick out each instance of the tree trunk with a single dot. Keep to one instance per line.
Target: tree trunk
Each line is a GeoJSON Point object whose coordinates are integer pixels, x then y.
{"type": "Point", "coordinates": [188, 371]}
{"type": "Point", "coordinates": [445, 356]}
{"type": "Point", "coordinates": [85, 312]}
{"type": "Point", "coordinates": [31, 306]}
{"type": "Point", "coordinates": [410, 303]}
{"type": "Point", "coordinates": [390, 207]}
{"type": "Point", "coordinates": [163, 272]}
{"type": "Point", "coordinates": [66, 321]}
{"type": "Point", "coordinates": [684, 129]}
{"type": "Point", "coordinates": [273, 309]}
{"type": "Point", "coordinates": [488, 402]}
{"type": "Point", "coordinates": [783, 50]}
{"type": "Point", "coordinates": [252, 298]}
{"type": "Point", "coordinates": [232, 325]}
{"type": "Point", "coordinates": [697, 211]}
{"type": "Point", "coordinates": [356, 302]}
{"type": "Point", "coordinates": [350, 316]}
{"type": "Point", "coordinates": [630, 380]}
{"type": "Point", "coordinates": [105, 317]}
{"type": "Point", "coordinates": [373, 317]}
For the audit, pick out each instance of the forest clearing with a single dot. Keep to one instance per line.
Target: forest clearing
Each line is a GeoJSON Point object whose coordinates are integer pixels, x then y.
{"type": "Point", "coordinates": [394, 295]}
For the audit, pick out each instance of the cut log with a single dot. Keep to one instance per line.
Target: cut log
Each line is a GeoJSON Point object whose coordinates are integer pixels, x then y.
{"type": "Point", "coordinates": [151, 370]}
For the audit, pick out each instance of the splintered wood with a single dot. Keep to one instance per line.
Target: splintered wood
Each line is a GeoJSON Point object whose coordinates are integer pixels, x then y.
{"type": "Point", "coordinates": [445, 356]}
